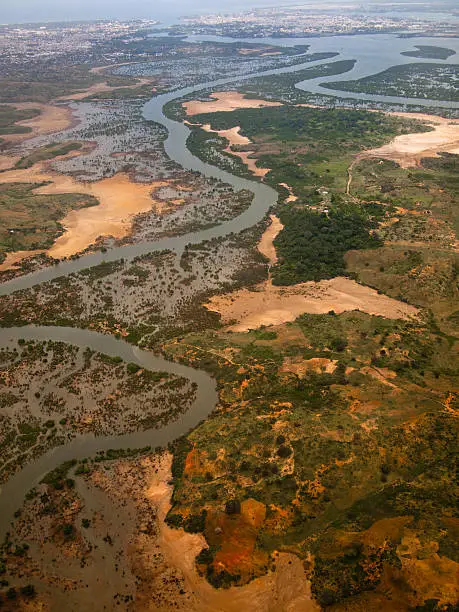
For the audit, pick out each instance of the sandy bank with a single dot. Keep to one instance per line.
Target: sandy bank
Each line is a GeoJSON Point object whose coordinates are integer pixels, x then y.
{"type": "Point", "coordinates": [266, 246]}
{"type": "Point", "coordinates": [408, 149]}
{"type": "Point", "coordinates": [119, 201]}
{"type": "Point", "coordinates": [225, 101]}
{"type": "Point", "coordinates": [12, 259]}
{"type": "Point", "coordinates": [52, 119]}
{"type": "Point", "coordinates": [102, 88]}
{"type": "Point", "coordinates": [271, 305]}
{"type": "Point", "coordinates": [234, 137]}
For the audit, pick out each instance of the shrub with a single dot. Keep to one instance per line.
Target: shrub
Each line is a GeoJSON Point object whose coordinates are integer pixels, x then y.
{"type": "Point", "coordinates": [233, 506]}
{"type": "Point", "coordinates": [284, 451]}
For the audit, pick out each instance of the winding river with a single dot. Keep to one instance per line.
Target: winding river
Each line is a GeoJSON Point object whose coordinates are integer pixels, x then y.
{"type": "Point", "coordinates": [12, 493]}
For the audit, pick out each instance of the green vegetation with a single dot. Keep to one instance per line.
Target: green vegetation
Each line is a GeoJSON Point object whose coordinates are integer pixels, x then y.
{"type": "Point", "coordinates": [47, 152]}
{"type": "Point", "coordinates": [9, 116]}
{"type": "Point", "coordinates": [307, 148]}
{"type": "Point", "coordinates": [312, 245]}
{"type": "Point", "coordinates": [361, 450]}
{"type": "Point", "coordinates": [430, 52]}
{"type": "Point", "coordinates": [425, 81]}
{"type": "Point", "coordinates": [29, 221]}
{"type": "Point", "coordinates": [46, 82]}
{"type": "Point", "coordinates": [281, 87]}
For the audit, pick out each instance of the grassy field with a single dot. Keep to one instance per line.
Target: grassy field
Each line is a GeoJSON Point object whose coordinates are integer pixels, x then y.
{"type": "Point", "coordinates": [10, 116]}
{"type": "Point", "coordinates": [333, 435]}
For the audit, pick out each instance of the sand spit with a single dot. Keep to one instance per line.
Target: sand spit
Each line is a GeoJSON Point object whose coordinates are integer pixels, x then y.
{"type": "Point", "coordinates": [266, 246]}
{"type": "Point", "coordinates": [52, 119]}
{"type": "Point", "coordinates": [234, 137]}
{"type": "Point", "coordinates": [271, 305]}
{"type": "Point", "coordinates": [284, 590]}
{"type": "Point", "coordinates": [225, 101]}
{"type": "Point", "coordinates": [408, 149]}
{"type": "Point", "coordinates": [119, 201]}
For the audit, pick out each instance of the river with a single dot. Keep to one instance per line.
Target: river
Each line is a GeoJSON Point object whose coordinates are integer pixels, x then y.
{"type": "Point", "coordinates": [369, 55]}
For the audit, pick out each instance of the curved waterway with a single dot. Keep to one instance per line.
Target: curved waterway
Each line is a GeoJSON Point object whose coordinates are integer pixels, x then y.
{"type": "Point", "coordinates": [264, 197]}
{"type": "Point", "coordinates": [87, 445]}
{"type": "Point", "coordinates": [12, 493]}
{"type": "Point", "coordinates": [373, 53]}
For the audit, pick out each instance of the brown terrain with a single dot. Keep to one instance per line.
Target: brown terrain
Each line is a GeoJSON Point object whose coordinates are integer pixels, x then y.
{"type": "Point", "coordinates": [52, 119]}
{"type": "Point", "coordinates": [120, 200]}
{"type": "Point", "coordinates": [407, 150]}
{"type": "Point", "coordinates": [225, 101]}
{"type": "Point", "coordinates": [284, 590]}
{"type": "Point", "coordinates": [267, 304]}
{"type": "Point", "coordinates": [104, 87]}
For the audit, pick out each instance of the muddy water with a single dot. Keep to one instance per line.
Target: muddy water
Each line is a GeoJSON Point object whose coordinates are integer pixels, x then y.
{"type": "Point", "coordinates": [13, 491]}
{"type": "Point", "coordinates": [373, 53]}
{"type": "Point", "coordinates": [360, 48]}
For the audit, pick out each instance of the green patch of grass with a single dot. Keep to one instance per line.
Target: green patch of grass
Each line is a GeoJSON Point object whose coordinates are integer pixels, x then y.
{"type": "Point", "coordinates": [47, 152]}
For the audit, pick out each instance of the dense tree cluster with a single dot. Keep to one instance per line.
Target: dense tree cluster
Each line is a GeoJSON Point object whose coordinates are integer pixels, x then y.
{"type": "Point", "coordinates": [312, 245]}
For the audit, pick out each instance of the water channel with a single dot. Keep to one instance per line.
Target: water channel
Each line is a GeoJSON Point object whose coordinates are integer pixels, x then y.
{"type": "Point", "coordinates": [368, 53]}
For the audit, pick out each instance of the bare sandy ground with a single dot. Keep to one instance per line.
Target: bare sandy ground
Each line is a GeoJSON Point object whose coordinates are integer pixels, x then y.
{"type": "Point", "coordinates": [103, 87]}
{"type": "Point", "coordinates": [291, 197]}
{"type": "Point", "coordinates": [266, 246]}
{"type": "Point", "coordinates": [300, 367]}
{"type": "Point", "coordinates": [234, 137]}
{"type": "Point", "coordinates": [284, 590]}
{"type": "Point", "coordinates": [12, 259]}
{"type": "Point", "coordinates": [119, 200]}
{"type": "Point", "coordinates": [407, 150]}
{"type": "Point", "coordinates": [225, 101]}
{"type": "Point", "coordinates": [271, 305]}
{"type": "Point", "coordinates": [52, 119]}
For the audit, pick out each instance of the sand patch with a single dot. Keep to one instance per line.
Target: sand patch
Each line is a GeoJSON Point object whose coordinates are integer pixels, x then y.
{"type": "Point", "coordinates": [301, 367]}
{"type": "Point", "coordinates": [266, 244]}
{"type": "Point", "coordinates": [291, 197]}
{"type": "Point", "coordinates": [13, 259]}
{"type": "Point", "coordinates": [102, 88]}
{"type": "Point", "coordinates": [284, 590]}
{"type": "Point", "coordinates": [235, 138]}
{"type": "Point", "coordinates": [52, 119]}
{"type": "Point", "coordinates": [271, 305]}
{"type": "Point", "coordinates": [225, 101]}
{"type": "Point", "coordinates": [408, 149]}
{"type": "Point", "coordinates": [7, 161]}
{"type": "Point", "coordinates": [119, 201]}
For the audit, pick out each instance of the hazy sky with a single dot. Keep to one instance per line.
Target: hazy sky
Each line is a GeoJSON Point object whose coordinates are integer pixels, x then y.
{"type": "Point", "coordinates": [42, 10]}
{"type": "Point", "coordinates": [16, 11]}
